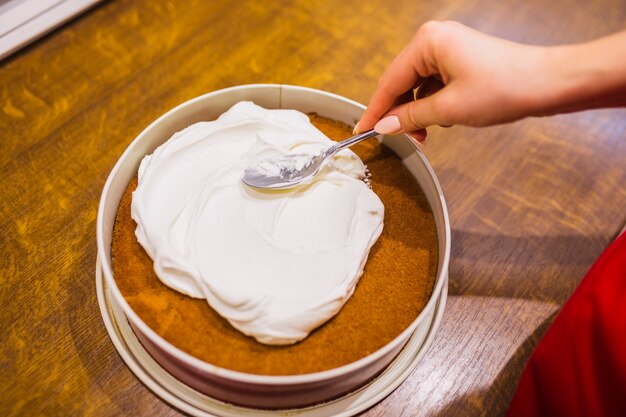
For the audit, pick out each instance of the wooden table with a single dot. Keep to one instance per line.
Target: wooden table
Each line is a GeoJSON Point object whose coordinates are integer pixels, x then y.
{"type": "Point", "coordinates": [532, 204]}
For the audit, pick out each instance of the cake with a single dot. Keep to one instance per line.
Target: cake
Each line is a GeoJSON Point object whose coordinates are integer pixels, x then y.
{"type": "Point", "coordinates": [396, 284]}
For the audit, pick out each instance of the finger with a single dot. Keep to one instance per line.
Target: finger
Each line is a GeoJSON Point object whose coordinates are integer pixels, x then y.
{"type": "Point", "coordinates": [400, 78]}
{"type": "Point", "coordinates": [427, 87]}
{"type": "Point", "coordinates": [413, 116]}
{"type": "Point", "coordinates": [383, 100]}
{"type": "Point", "coordinates": [424, 88]}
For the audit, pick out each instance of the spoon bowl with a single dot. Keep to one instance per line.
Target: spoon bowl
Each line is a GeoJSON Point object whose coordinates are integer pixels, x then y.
{"type": "Point", "coordinates": [290, 170]}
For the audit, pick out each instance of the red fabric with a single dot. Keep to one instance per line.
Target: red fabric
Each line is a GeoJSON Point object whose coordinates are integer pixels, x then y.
{"type": "Point", "coordinates": [579, 367]}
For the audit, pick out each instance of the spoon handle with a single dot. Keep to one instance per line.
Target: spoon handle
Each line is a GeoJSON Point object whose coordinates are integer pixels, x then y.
{"type": "Point", "coordinates": [354, 139]}
{"type": "Point", "coordinates": [349, 142]}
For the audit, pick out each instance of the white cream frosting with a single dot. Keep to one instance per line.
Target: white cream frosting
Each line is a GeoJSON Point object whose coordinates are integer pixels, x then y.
{"type": "Point", "coordinates": [277, 263]}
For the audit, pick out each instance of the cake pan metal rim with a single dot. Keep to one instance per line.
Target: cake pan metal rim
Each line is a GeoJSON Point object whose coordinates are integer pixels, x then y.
{"type": "Point", "coordinates": [237, 375]}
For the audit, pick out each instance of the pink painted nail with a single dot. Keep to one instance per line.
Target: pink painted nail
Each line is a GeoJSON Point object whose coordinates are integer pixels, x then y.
{"type": "Point", "coordinates": [390, 124]}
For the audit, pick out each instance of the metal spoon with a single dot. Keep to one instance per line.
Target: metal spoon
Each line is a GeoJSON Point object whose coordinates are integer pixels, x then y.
{"type": "Point", "coordinates": [290, 170]}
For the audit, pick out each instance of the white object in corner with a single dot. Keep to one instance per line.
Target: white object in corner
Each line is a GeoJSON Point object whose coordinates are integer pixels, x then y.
{"type": "Point", "coordinates": [23, 21]}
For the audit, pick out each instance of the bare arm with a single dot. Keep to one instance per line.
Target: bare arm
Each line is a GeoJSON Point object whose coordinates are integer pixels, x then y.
{"type": "Point", "coordinates": [487, 80]}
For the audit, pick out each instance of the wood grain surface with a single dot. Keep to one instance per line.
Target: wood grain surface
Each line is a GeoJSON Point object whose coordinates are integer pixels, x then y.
{"type": "Point", "coordinates": [532, 204]}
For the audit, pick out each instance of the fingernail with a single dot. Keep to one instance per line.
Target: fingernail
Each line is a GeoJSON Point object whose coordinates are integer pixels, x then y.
{"type": "Point", "coordinates": [390, 124]}
{"type": "Point", "coordinates": [356, 129]}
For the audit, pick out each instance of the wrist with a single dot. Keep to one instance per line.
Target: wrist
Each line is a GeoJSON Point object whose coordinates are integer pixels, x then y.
{"type": "Point", "coordinates": [558, 80]}
{"type": "Point", "coordinates": [580, 77]}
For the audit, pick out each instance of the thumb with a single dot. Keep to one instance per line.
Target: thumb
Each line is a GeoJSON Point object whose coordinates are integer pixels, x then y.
{"type": "Point", "coordinates": [413, 116]}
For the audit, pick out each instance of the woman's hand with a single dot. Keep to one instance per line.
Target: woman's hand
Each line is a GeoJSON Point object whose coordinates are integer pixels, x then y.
{"type": "Point", "coordinates": [483, 80]}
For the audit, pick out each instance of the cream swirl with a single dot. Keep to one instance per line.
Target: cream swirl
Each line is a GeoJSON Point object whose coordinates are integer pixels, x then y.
{"type": "Point", "coordinates": [275, 264]}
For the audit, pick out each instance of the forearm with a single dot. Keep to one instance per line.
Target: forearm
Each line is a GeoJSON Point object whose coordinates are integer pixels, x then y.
{"type": "Point", "coordinates": [580, 77]}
